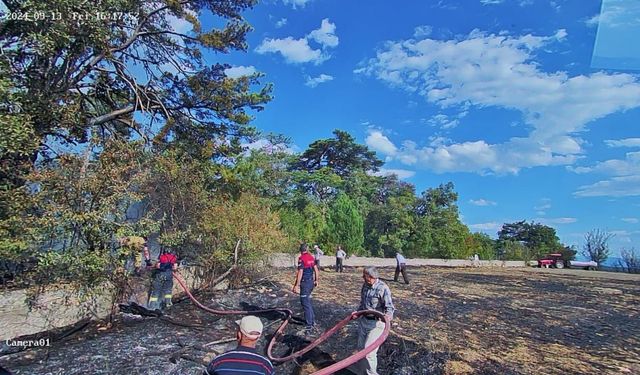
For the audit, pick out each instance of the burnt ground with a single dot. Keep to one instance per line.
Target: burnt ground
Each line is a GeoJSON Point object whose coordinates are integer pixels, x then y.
{"type": "Point", "coordinates": [448, 321]}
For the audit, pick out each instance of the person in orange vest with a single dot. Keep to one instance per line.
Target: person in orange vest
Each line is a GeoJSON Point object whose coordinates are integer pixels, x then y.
{"type": "Point", "coordinates": [162, 287]}
{"type": "Point", "coordinates": [306, 280]}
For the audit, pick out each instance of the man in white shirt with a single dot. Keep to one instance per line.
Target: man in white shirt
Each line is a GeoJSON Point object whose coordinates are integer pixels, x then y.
{"type": "Point", "coordinates": [317, 254]}
{"type": "Point", "coordinates": [401, 265]}
{"type": "Point", "coordinates": [340, 255]}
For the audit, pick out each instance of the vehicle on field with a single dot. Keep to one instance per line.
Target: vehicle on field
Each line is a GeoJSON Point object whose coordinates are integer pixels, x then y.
{"type": "Point", "coordinates": [555, 261]}
{"type": "Point", "coordinates": [587, 265]}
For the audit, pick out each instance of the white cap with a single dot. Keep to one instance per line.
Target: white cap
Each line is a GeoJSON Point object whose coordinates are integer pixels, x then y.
{"type": "Point", "coordinates": [250, 326]}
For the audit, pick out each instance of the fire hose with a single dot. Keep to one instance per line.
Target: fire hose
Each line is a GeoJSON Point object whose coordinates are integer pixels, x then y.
{"type": "Point", "coordinates": [288, 315]}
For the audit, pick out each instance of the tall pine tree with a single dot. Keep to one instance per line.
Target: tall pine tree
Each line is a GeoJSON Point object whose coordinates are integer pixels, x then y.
{"type": "Point", "coordinates": [345, 225]}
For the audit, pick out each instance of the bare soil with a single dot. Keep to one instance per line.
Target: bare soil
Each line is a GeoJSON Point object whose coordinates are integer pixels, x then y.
{"type": "Point", "coordinates": [448, 321]}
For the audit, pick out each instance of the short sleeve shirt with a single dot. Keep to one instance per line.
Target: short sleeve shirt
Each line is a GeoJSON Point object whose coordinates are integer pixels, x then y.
{"type": "Point", "coordinates": [306, 263]}
{"type": "Point", "coordinates": [242, 360]}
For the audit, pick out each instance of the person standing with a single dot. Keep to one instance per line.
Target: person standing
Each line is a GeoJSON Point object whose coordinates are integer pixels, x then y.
{"type": "Point", "coordinates": [317, 254]}
{"type": "Point", "coordinates": [162, 286]}
{"type": "Point", "coordinates": [401, 266]}
{"type": "Point", "coordinates": [375, 295]}
{"type": "Point", "coordinates": [145, 252]}
{"type": "Point", "coordinates": [340, 255]}
{"type": "Point", "coordinates": [306, 280]}
{"type": "Point", "coordinates": [244, 359]}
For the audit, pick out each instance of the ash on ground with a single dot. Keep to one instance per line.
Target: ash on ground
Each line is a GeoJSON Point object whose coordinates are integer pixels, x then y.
{"type": "Point", "coordinates": [448, 321]}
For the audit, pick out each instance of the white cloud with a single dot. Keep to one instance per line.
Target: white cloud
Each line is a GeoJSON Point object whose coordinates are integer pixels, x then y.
{"type": "Point", "coordinates": [559, 220]}
{"type": "Point", "coordinates": [297, 51]}
{"type": "Point", "coordinates": [627, 142]}
{"type": "Point", "coordinates": [629, 166]}
{"type": "Point", "coordinates": [313, 82]}
{"type": "Point", "coordinates": [482, 202]}
{"type": "Point", "coordinates": [487, 227]}
{"type": "Point", "coordinates": [281, 22]}
{"type": "Point", "coordinates": [293, 50]}
{"type": "Point", "coordinates": [401, 173]}
{"type": "Point", "coordinates": [326, 34]}
{"type": "Point", "coordinates": [620, 13]}
{"type": "Point", "coordinates": [296, 3]}
{"type": "Point", "coordinates": [442, 4]}
{"type": "Point", "coordinates": [491, 2]}
{"type": "Point", "coordinates": [239, 71]}
{"type": "Point", "coordinates": [443, 121]}
{"type": "Point", "coordinates": [488, 70]}
{"type": "Point", "coordinates": [545, 204]}
{"type": "Point", "coordinates": [624, 186]}
{"type": "Point", "coordinates": [379, 142]}
{"type": "Point", "coordinates": [630, 220]}
{"type": "Point", "coordinates": [422, 31]}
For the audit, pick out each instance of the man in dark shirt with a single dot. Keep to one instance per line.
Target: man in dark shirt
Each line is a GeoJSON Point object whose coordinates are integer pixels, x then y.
{"type": "Point", "coordinates": [243, 360]}
{"type": "Point", "coordinates": [306, 280]}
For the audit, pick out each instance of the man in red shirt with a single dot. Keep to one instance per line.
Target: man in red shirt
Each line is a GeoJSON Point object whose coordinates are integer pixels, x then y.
{"type": "Point", "coordinates": [306, 280]}
{"type": "Point", "coordinates": [162, 287]}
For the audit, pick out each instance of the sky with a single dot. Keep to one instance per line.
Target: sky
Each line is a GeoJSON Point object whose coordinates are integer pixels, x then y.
{"type": "Point", "coordinates": [530, 107]}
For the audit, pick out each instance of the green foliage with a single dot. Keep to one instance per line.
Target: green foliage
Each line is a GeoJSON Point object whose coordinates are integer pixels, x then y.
{"type": "Point", "coordinates": [344, 226]}
{"type": "Point", "coordinates": [319, 186]}
{"type": "Point", "coordinates": [438, 210]}
{"type": "Point", "coordinates": [568, 253]}
{"type": "Point", "coordinates": [342, 155]}
{"type": "Point", "coordinates": [85, 270]}
{"type": "Point", "coordinates": [539, 239]}
{"type": "Point", "coordinates": [514, 250]}
{"type": "Point", "coordinates": [249, 219]}
{"type": "Point", "coordinates": [483, 245]}
{"type": "Point", "coordinates": [68, 80]}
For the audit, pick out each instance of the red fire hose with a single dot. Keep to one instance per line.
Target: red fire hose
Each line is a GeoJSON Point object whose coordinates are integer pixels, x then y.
{"type": "Point", "coordinates": [288, 314]}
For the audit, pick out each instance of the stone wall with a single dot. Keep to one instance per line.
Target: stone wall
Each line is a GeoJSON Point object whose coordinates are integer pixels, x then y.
{"type": "Point", "coordinates": [59, 306]}
{"type": "Point", "coordinates": [289, 260]}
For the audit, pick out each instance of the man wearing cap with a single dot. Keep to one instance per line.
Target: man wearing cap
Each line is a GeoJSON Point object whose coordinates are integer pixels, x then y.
{"type": "Point", "coordinates": [306, 280]}
{"type": "Point", "coordinates": [401, 266]}
{"type": "Point", "coordinates": [375, 295]}
{"type": "Point", "coordinates": [244, 359]}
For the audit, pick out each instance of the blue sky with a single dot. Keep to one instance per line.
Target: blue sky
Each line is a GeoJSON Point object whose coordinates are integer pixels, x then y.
{"type": "Point", "coordinates": [499, 97]}
{"type": "Point", "coordinates": [531, 107]}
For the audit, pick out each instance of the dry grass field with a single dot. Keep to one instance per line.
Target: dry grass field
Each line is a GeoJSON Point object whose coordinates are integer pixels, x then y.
{"type": "Point", "coordinates": [448, 321]}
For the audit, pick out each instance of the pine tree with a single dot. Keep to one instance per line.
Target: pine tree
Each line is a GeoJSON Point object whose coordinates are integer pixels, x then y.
{"type": "Point", "coordinates": [345, 225]}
